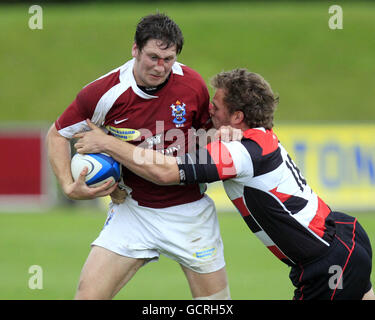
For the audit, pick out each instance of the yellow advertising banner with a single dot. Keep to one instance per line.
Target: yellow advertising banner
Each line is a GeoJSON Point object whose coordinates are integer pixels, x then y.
{"type": "Point", "coordinates": [337, 160]}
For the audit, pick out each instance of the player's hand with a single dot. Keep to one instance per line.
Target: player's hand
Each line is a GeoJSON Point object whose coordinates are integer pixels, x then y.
{"type": "Point", "coordinates": [118, 196]}
{"type": "Point", "coordinates": [92, 141]}
{"type": "Point", "coordinates": [228, 133]}
{"type": "Point", "coordinates": [79, 190]}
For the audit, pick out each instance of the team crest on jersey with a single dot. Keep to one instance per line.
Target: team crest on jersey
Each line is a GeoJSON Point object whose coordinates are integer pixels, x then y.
{"type": "Point", "coordinates": [178, 112]}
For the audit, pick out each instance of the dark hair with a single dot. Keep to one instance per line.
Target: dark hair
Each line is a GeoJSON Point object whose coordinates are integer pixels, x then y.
{"type": "Point", "coordinates": [159, 27]}
{"type": "Point", "coordinates": [247, 92]}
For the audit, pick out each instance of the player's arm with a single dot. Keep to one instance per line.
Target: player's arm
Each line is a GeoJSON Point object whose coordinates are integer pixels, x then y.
{"type": "Point", "coordinates": [59, 157]}
{"type": "Point", "coordinates": [72, 120]}
{"type": "Point", "coordinates": [146, 163]}
{"type": "Point", "coordinates": [208, 164]}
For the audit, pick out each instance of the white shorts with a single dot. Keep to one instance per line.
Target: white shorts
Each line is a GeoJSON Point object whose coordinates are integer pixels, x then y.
{"type": "Point", "coordinates": [188, 233]}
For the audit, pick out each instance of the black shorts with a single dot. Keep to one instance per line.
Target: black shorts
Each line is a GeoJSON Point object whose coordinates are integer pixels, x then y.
{"type": "Point", "coordinates": [343, 272]}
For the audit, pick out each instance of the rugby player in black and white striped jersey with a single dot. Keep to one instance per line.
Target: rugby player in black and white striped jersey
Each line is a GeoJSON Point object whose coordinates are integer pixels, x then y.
{"type": "Point", "coordinates": [266, 187]}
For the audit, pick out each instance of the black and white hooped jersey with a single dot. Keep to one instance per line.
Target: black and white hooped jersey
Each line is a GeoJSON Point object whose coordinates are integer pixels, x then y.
{"type": "Point", "coordinates": [269, 191]}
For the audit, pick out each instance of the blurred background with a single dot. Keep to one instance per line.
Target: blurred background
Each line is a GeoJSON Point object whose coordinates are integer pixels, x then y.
{"type": "Point", "coordinates": [326, 120]}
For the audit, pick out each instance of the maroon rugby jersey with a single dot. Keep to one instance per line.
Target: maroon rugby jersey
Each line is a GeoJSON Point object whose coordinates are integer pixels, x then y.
{"type": "Point", "coordinates": [159, 121]}
{"type": "Point", "coordinates": [269, 191]}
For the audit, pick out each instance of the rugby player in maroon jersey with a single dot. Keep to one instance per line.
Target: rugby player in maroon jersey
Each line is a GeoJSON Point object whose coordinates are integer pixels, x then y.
{"type": "Point", "coordinates": [143, 101]}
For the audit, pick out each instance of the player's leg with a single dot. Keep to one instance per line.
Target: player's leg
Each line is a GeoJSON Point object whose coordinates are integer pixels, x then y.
{"type": "Point", "coordinates": [208, 286]}
{"type": "Point", "coordinates": [190, 235]}
{"type": "Point", "coordinates": [105, 273]}
{"type": "Point", "coordinates": [369, 295]}
{"type": "Point", "coordinates": [119, 251]}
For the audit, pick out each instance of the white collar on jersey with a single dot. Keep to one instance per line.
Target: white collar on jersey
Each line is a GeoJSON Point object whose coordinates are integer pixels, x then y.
{"type": "Point", "coordinates": [260, 128]}
{"type": "Point", "coordinates": [126, 75]}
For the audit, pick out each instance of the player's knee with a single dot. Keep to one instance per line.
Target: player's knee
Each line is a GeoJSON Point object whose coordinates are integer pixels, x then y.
{"type": "Point", "coordinates": [220, 295]}
{"type": "Point", "coordinates": [83, 293]}
{"type": "Point", "coordinates": [87, 292]}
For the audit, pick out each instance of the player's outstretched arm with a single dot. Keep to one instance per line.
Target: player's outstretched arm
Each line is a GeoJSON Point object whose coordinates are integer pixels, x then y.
{"type": "Point", "coordinates": [59, 157]}
{"type": "Point", "coordinates": [147, 163]}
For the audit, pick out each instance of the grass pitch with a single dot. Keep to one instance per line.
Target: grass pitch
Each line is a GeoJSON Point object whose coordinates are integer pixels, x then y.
{"type": "Point", "coordinates": [320, 75]}
{"type": "Point", "coordinates": [59, 240]}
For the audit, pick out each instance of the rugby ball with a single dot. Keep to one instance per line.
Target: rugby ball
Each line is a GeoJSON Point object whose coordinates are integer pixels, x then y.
{"type": "Point", "coordinates": [101, 168]}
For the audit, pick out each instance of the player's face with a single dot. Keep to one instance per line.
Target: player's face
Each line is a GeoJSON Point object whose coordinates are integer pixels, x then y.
{"type": "Point", "coordinates": [153, 63]}
{"type": "Point", "coordinates": [219, 112]}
